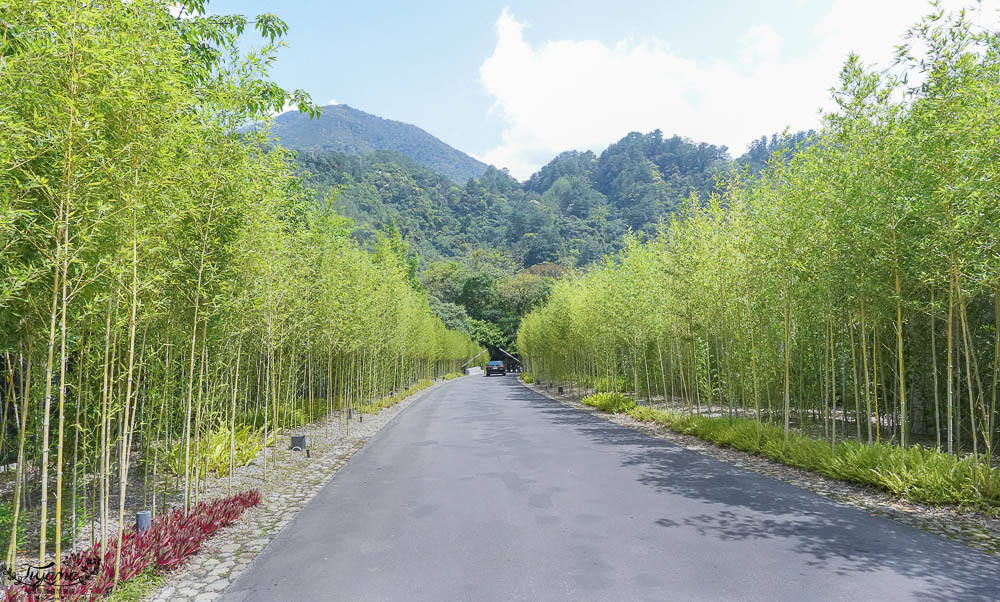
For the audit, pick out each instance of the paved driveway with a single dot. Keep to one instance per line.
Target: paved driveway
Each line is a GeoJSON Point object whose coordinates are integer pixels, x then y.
{"type": "Point", "coordinates": [485, 490]}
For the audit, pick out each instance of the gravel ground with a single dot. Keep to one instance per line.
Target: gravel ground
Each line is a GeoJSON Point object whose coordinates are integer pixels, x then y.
{"type": "Point", "coordinates": [973, 529]}
{"type": "Point", "coordinates": [292, 480]}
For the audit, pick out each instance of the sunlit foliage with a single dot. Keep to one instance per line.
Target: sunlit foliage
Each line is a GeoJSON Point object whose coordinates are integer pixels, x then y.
{"type": "Point", "coordinates": [168, 292]}
{"type": "Point", "coordinates": [852, 290]}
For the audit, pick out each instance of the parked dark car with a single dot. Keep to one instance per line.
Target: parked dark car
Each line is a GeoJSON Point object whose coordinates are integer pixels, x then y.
{"type": "Point", "coordinates": [495, 367]}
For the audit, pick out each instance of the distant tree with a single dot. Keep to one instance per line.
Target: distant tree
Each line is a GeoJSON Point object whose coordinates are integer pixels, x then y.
{"type": "Point", "coordinates": [444, 280]}
{"type": "Point", "coordinates": [454, 316]}
{"type": "Point", "coordinates": [487, 334]}
{"type": "Point", "coordinates": [762, 149]}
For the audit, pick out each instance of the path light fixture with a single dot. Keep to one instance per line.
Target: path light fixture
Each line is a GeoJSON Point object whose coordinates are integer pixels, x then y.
{"type": "Point", "coordinates": [143, 520]}
{"type": "Point", "coordinates": [298, 442]}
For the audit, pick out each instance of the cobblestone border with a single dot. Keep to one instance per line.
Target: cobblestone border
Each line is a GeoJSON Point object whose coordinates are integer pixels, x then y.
{"type": "Point", "coordinates": [973, 529]}
{"type": "Point", "coordinates": [293, 481]}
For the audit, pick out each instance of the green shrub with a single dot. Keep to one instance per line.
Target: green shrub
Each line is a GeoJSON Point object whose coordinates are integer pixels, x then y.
{"type": "Point", "coordinates": [453, 375]}
{"type": "Point", "coordinates": [212, 452]}
{"type": "Point", "coordinates": [609, 402]}
{"type": "Point", "coordinates": [609, 385]}
{"type": "Point", "coordinates": [528, 377]}
{"type": "Point", "coordinates": [247, 444]}
{"type": "Point", "coordinates": [647, 414]}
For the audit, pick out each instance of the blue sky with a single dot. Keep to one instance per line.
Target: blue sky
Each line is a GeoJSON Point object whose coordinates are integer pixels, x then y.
{"type": "Point", "coordinates": [514, 83]}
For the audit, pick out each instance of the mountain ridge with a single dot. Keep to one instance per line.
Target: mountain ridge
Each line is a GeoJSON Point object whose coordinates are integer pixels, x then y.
{"type": "Point", "coordinates": [573, 210]}
{"type": "Point", "coordinates": [345, 129]}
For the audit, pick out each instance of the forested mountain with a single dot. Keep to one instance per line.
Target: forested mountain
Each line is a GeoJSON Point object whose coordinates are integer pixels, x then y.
{"type": "Point", "coordinates": [474, 240]}
{"type": "Point", "coordinates": [347, 130]}
{"type": "Point", "coordinates": [572, 211]}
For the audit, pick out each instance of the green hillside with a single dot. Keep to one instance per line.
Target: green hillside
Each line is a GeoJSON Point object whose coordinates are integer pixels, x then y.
{"type": "Point", "coordinates": [473, 241]}
{"type": "Point", "coordinates": [572, 211]}
{"type": "Point", "coordinates": [347, 130]}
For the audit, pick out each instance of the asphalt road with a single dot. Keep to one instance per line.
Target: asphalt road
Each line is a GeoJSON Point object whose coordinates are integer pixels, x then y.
{"type": "Point", "coordinates": [485, 490]}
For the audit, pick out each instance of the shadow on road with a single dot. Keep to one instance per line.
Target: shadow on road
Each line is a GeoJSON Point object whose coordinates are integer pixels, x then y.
{"type": "Point", "coordinates": [835, 537]}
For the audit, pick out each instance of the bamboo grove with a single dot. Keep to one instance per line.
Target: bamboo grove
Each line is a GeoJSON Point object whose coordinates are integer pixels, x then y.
{"type": "Point", "coordinates": [852, 289]}
{"type": "Point", "coordinates": [170, 300]}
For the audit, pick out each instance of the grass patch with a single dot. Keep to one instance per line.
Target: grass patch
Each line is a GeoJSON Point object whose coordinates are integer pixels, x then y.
{"type": "Point", "coordinates": [916, 473]}
{"type": "Point", "coordinates": [609, 402]}
{"type": "Point", "coordinates": [138, 588]}
{"type": "Point", "coordinates": [380, 404]}
{"type": "Point", "coordinates": [7, 521]}
{"type": "Point", "coordinates": [527, 378]}
{"type": "Point", "coordinates": [28, 530]}
{"type": "Point", "coordinates": [453, 375]}
{"type": "Point", "coordinates": [299, 413]}
{"type": "Point", "coordinates": [609, 385]}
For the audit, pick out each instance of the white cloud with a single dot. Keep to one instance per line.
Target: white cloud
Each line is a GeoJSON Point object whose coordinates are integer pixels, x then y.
{"type": "Point", "coordinates": [760, 43]}
{"type": "Point", "coordinates": [332, 101]}
{"type": "Point", "coordinates": [583, 94]}
{"type": "Point", "coordinates": [287, 107]}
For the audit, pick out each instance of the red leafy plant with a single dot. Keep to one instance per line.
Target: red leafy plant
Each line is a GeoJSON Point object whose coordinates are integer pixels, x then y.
{"type": "Point", "coordinates": [170, 540]}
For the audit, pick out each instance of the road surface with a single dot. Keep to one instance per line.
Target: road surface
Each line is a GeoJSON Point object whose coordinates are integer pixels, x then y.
{"type": "Point", "coordinates": [485, 490]}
